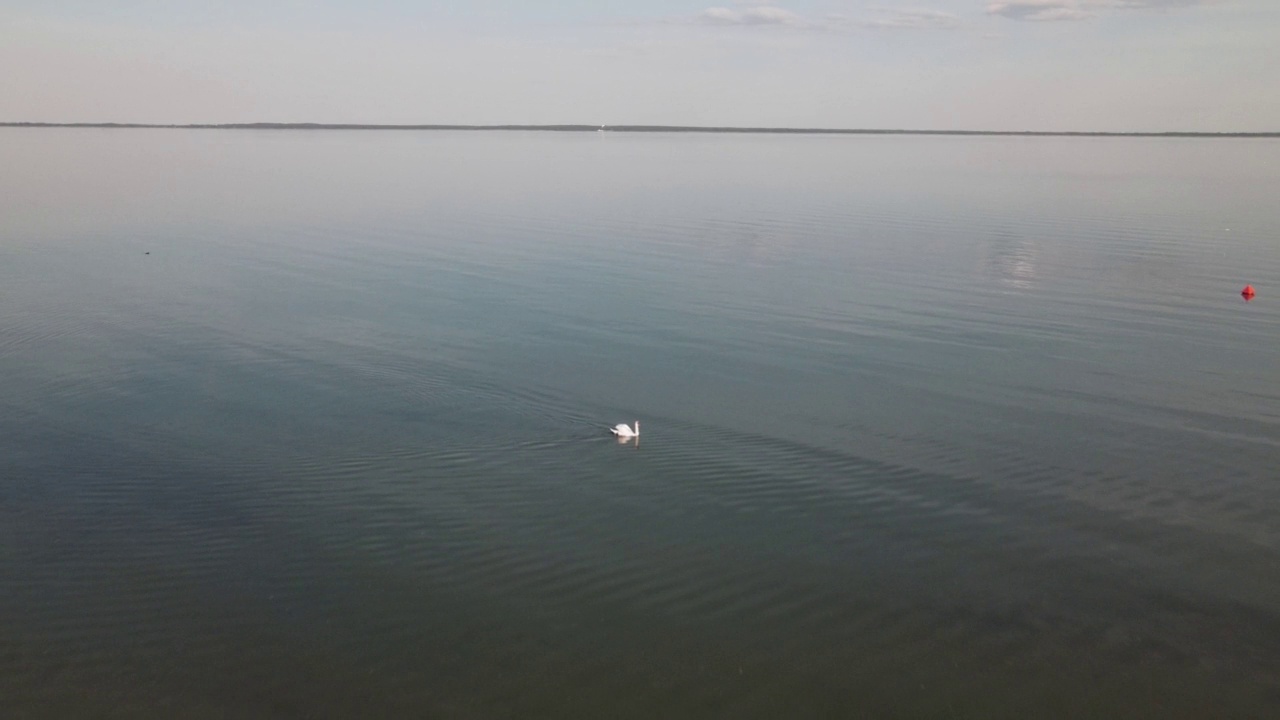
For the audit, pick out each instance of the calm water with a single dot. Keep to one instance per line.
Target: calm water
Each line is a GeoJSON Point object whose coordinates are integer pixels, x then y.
{"type": "Point", "coordinates": [932, 427]}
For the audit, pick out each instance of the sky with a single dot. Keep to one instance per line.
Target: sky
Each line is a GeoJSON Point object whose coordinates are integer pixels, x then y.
{"type": "Point", "coordinates": [1084, 65]}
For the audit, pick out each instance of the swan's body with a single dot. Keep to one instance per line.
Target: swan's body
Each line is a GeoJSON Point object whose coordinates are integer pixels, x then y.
{"type": "Point", "coordinates": [622, 430]}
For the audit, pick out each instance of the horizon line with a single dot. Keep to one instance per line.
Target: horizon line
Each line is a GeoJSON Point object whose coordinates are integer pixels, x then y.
{"type": "Point", "coordinates": [634, 128]}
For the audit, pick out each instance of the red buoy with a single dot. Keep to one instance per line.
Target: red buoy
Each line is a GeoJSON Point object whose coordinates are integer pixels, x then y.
{"type": "Point", "coordinates": [1247, 292]}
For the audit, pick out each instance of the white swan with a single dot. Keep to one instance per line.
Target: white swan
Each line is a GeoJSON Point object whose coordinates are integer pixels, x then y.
{"type": "Point", "coordinates": [621, 430]}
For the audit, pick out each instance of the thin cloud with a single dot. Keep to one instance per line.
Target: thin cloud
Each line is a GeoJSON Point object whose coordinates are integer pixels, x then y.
{"type": "Point", "coordinates": [756, 15]}
{"type": "Point", "coordinates": [1038, 10]}
{"type": "Point", "coordinates": [1149, 4]}
{"type": "Point", "coordinates": [1053, 10]}
{"type": "Point", "coordinates": [761, 15]}
{"type": "Point", "coordinates": [910, 19]}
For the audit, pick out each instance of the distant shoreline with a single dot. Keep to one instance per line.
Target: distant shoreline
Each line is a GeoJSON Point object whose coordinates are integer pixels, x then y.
{"type": "Point", "coordinates": [641, 128]}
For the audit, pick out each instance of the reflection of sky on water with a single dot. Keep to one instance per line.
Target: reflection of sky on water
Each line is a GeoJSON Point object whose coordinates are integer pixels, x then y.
{"type": "Point", "coordinates": [1012, 260]}
{"type": "Point", "coordinates": [364, 381]}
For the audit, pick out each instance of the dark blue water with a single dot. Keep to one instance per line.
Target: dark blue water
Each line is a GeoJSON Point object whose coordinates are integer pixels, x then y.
{"type": "Point", "coordinates": [313, 425]}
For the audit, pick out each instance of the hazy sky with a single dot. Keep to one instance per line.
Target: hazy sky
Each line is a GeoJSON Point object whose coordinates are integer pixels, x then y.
{"type": "Point", "coordinates": [938, 64]}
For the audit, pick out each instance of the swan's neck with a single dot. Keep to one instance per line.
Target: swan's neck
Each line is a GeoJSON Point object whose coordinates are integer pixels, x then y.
{"type": "Point", "coordinates": [637, 427]}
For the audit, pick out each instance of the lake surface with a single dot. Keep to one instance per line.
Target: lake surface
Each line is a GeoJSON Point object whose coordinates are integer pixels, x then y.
{"type": "Point", "coordinates": [314, 425]}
